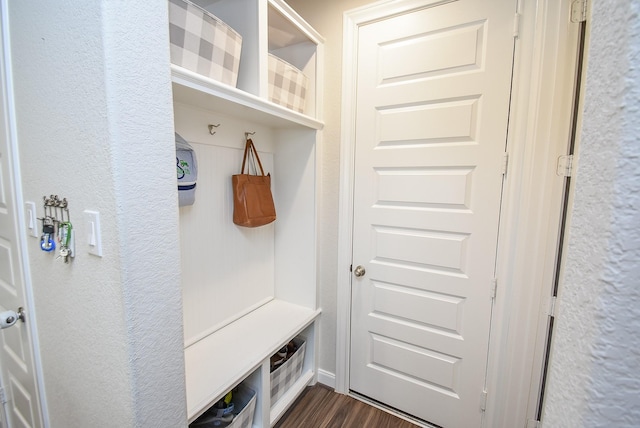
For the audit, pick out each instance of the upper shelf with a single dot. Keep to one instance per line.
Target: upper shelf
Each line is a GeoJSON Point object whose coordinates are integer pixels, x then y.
{"type": "Point", "coordinates": [287, 28]}
{"type": "Point", "coordinates": [199, 91]}
{"type": "Point", "coordinates": [266, 27]}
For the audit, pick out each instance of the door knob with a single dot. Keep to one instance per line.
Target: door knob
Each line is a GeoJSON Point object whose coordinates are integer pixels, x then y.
{"type": "Point", "coordinates": [359, 271]}
{"type": "Point", "coordinates": [9, 318]}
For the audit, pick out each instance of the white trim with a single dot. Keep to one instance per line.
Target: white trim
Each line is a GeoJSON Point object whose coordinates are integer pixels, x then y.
{"type": "Point", "coordinates": [14, 160]}
{"type": "Point", "coordinates": [345, 216]}
{"type": "Point", "coordinates": [538, 130]}
{"type": "Point", "coordinates": [327, 378]}
{"type": "Point", "coordinates": [386, 9]}
{"type": "Point", "coordinates": [544, 75]}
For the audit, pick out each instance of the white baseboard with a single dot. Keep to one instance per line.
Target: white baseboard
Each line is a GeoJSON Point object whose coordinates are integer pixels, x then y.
{"type": "Point", "coordinates": [327, 378]}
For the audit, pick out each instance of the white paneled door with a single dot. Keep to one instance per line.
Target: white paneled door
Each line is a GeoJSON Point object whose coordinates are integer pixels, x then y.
{"type": "Point", "coordinates": [22, 408]}
{"type": "Point", "coordinates": [432, 105]}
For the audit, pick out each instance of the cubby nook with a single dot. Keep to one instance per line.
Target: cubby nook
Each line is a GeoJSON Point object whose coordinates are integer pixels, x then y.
{"type": "Point", "coordinates": [247, 292]}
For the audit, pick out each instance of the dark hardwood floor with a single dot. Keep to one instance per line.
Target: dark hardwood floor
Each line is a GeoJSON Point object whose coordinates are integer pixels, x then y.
{"type": "Point", "coordinates": [320, 407]}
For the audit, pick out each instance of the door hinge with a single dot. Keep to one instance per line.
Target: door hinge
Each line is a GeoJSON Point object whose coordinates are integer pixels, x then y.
{"type": "Point", "coordinates": [516, 25]}
{"type": "Point", "coordinates": [483, 400]}
{"type": "Point", "coordinates": [578, 11]}
{"type": "Point", "coordinates": [505, 162]}
{"type": "Point", "coordinates": [494, 287]}
{"type": "Point", "coordinates": [565, 166]}
{"type": "Point", "coordinates": [552, 306]}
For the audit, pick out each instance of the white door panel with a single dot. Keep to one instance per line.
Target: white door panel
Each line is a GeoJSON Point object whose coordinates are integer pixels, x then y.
{"type": "Point", "coordinates": [432, 104]}
{"type": "Point", "coordinates": [16, 351]}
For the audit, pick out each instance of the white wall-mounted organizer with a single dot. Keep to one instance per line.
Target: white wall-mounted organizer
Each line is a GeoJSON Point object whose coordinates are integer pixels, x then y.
{"type": "Point", "coordinates": [248, 292]}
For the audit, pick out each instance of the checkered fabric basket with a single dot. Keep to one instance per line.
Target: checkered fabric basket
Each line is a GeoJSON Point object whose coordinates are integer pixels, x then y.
{"type": "Point", "coordinates": [244, 401]}
{"type": "Point", "coordinates": [202, 43]}
{"type": "Point", "coordinates": [287, 84]}
{"type": "Point", "coordinates": [286, 375]}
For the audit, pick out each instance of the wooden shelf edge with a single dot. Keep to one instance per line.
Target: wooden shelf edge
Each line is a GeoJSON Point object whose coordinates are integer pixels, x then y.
{"type": "Point", "coordinates": [210, 94]}
{"type": "Point", "coordinates": [283, 404]}
{"type": "Point", "coordinates": [217, 363]}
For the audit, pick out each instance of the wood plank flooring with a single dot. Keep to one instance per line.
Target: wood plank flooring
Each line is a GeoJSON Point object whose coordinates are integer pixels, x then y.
{"type": "Point", "coordinates": [320, 407]}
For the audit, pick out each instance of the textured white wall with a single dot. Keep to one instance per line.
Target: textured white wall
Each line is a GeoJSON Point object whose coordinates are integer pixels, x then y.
{"type": "Point", "coordinates": [94, 116]}
{"type": "Point", "coordinates": [326, 17]}
{"type": "Point", "coordinates": [594, 377]}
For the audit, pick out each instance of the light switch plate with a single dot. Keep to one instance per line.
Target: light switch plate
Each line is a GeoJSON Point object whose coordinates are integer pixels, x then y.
{"type": "Point", "coordinates": [94, 236]}
{"type": "Point", "coordinates": [31, 218]}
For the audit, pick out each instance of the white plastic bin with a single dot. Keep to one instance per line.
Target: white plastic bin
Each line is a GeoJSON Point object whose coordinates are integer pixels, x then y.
{"type": "Point", "coordinates": [244, 406]}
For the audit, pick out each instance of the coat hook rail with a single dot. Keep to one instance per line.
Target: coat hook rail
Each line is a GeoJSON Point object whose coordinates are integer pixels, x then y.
{"type": "Point", "coordinates": [246, 134]}
{"type": "Point", "coordinates": [212, 127]}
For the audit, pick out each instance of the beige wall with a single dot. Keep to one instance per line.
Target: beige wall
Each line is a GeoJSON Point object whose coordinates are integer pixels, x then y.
{"type": "Point", "coordinates": [326, 17]}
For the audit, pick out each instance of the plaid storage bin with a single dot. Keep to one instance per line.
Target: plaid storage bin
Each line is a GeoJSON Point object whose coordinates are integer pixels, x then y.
{"type": "Point", "coordinates": [244, 406]}
{"type": "Point", "coordinates": [286, 375]}
{"type": "Point", "coordinates": [202, 43]}
{"type": "Point", "coordinates": [287, 84]}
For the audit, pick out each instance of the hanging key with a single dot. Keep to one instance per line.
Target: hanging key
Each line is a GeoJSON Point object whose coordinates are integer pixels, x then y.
{"type": "Point", "coordinates": [47, 243]}
{"type": "Point", "coordinates": [64, 253]}
{"type": "Point", "coordinates": [64, 237]}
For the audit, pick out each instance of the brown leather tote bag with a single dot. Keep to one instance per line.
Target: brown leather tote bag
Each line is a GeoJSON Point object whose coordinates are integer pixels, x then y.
{"type": "Point", "coordinates": [252, 199]}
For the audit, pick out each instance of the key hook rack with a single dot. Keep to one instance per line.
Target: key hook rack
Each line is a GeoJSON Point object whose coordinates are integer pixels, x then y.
{"type": "Point", "coordinates": [56, 226]}
{"type": "Point", "coordinates": [56, 208]}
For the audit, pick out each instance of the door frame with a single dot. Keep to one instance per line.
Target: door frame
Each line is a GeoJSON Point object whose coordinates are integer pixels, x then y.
{"type": "Point", "coordinates": [538, 133]}
{"type": "Point", "coordinates": [6, 80]}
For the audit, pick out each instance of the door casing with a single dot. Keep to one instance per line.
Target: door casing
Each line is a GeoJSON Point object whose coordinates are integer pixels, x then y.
{"type": "Point", "coordinates": [539, 130]}
{"type": "Point", "coordinates": [6, 80]}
